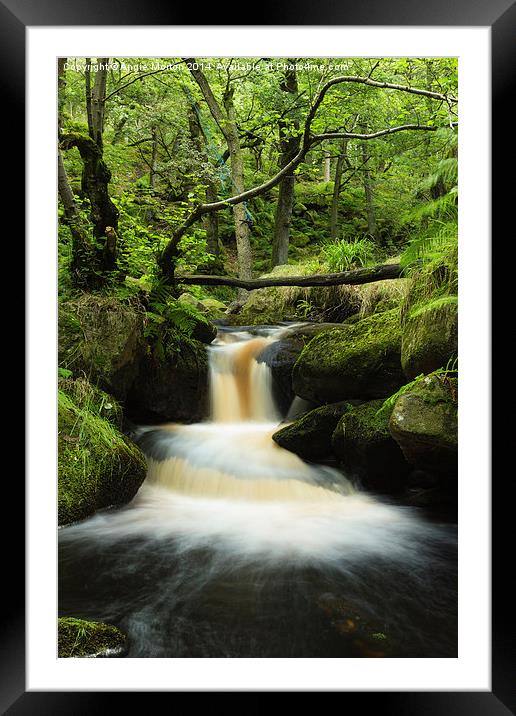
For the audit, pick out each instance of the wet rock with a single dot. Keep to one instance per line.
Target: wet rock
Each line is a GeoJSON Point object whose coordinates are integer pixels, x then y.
{"type": "Point", "coordinates": [173, 388]}
{"type": "Point", "coordinates": [365, 448]}
{"type": "Point", "coordinates": [367, 639]}
{"type": "Point", "coordinates": [310, 436]}
{"type": "Point", "coordinates": [88, 639]}
{"type": "Point", "coordinates": [281, 356]}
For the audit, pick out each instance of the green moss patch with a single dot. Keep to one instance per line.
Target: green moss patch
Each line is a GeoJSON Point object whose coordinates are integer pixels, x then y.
{"type": "Point", "coordinates": [97, 465]}
{"type": "Point", "coordinates": [361, 360]}
{"type": "Point", "coordinates": [81, 638]}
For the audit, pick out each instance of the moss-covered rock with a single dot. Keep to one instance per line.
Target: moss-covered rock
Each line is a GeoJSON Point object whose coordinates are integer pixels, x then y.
{"type": "Point", "coordinates": [310, 436]}
{"type": "Point", "coordinates": [214, 306]}
{"type": "Point", "coordinates": [430, 337]}
{"type": "Point", "coordinates": [424, 424]}
{"type": "Point", "coordinates": [97, 465]}
{"type": "Point", "coordinates": [429, 317]}
{"type": "Point", "coordinates": [103, 338]}
{"type": "Point", "coordinates": [173, 387]}
{"type": "Point", "coordinates": [81, 638]}
{"type": "Point", "coordinates": [355, 361]}
{"type": "Point", "coordinates": [365, 447]}
{"type": "Point", "coordinates": [281, 356]}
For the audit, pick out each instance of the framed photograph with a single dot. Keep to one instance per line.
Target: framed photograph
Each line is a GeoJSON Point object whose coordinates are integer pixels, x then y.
{"type": "Point", "coordinates": [438, 660]}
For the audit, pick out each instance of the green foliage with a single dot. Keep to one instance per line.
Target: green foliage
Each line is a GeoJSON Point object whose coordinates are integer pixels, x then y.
{"type": "Point", "coordinates": [345, 255]}
{"type": "Point", "coordinates": [170, 323]}
{"type": "Point", "coordinates": [148, 130]}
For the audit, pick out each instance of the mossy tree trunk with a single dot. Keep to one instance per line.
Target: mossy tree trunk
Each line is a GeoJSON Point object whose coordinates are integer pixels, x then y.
{"type": "Point", "coordinates": [289, 147]}
{"type": "Point", "coordinates": [96, 175]}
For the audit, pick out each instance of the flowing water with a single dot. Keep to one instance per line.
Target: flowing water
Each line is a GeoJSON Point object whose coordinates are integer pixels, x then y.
{"type": "Point", "coordinates": [236, 547]}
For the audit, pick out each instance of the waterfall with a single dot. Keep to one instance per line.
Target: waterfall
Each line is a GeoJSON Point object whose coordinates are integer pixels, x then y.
{"type": "Point", "coordinates": [233, 455]}
{"type": "Point", "coordinates": [240, 387]}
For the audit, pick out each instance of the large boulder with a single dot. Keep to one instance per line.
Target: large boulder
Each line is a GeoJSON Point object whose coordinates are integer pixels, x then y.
{"type": "Point", "coordinates": [98, 466]}
{"type": "Point", "coordinates": [106, 339]}
{"type": "Point", "coordinates": [87, 639]}
{"type": "Point", "coordinates": [102, 338]}
{"type": "Point", "coordinates": [424, 424]}
{"type": "Point", "coordinates": [281, 356]}
{"type": "Point", "coordinates": [171, 387]}
{"type": "Point", "coordinates": [429, 337]}
{"type": "Point", "coordinates": [310, 436]}
{"type": "Point", "coordinates": [354, 361]}
{"type": "Point", "coordinates": [365, 448]}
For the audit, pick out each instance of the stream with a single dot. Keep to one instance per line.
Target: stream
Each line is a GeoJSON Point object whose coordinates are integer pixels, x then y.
{"type": "Point", "coordinates": [235, 547]}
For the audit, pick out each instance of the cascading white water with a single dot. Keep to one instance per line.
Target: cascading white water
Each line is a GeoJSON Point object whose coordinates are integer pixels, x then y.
{"type": "Point", "coordinates": [230, 531]}
{"type": "Point", "coordinates": [233, 455]}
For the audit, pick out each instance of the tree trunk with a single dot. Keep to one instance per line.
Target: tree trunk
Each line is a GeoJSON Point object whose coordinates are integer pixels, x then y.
{"type": "Point", "coordinates": [289, 147]}
{"type": "Point", "coordinates": [81, 249]}
{"type": "Point", "coordinates": [154, 158]}
{"type": "Point", "coordinates": [98, 97]}
{"type": "Point", "coordinates": [327, 167]}
{"type": "Point", "coordinates": [339, 168]}
{"type": "Point", "coordinates": [369, 196]}
{"type": "Point", "coordinates": [227, 125]}
{"type": "Point", "coordinates": [243, 242]}
{"type": "Point", "coordinates": [210, 221]}
{"type": "Point", "coordinates": [95, 179]}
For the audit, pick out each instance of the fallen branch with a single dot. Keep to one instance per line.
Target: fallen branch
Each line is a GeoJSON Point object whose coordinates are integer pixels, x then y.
{"type": "Point", "coordinates": [356, 276]}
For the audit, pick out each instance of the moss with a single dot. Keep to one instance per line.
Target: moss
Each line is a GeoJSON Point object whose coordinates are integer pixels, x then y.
{"type": "Point", "coordinates": [97, 465]}
{"type": "Point", "coordinates": [361, 360]}
{"type": "Point", "coordinates": [310, 436]}
{"type": "Point", "coordinates": [88, 397]}
{"type": "Point", "coordinates": [81, 638]}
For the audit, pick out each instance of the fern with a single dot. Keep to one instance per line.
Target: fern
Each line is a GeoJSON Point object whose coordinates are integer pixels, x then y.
{"type": "Point", "coordinates": [429, 245]}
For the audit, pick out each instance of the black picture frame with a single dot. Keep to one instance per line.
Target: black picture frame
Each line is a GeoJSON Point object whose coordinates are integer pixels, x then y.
{"type": "Point", "coordinates": [500, 16]}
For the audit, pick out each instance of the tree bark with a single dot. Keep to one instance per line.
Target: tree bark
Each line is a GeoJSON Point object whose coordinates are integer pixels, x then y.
{"type": "Point", "coordinates": [154, 158]}
{"type": "Point", "coordinates": [339, 168]}
{"type": "Point", "coordinates": [95, 179]}
{"type": "Point", "coordinates": [369, 196]}
{"type": "Point", "coordinates": [353, 278]}
{"type": "Point", "coordinates": [81, 248]}
{"type": "Point", "coordinates": [289, 147]}
{"type": "Point", "coordinates": [327, 167]}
